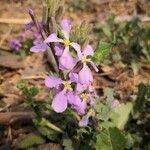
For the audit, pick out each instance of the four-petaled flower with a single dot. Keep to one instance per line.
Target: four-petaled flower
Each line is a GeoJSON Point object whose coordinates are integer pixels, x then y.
{"type": "Point", "coordinates": [64, 96]}
{"type": "Point", "coordinates": [79, 97]}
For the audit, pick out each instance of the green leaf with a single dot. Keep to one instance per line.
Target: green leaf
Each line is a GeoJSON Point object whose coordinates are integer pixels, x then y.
{"type": "Point", "coordinates": [102, 51]}
{"type": "Point", "coordinates": [67, 143]}
{"type": "Point", "coordinates": [49, 133]}
{"type": "Point", "coordinates": [120, 115]}
{"type": "Point", "coordinates": [140, 101]}
{"type": "Point", "coordinates": [102, 112]}
{"type": "Point", "coordinates": [110, 139]}
{"type": "Point", "coordinates": [30, 140]}
{"type": "Point", "coordinates": [34, 91]}
{"type": "Point", "coordinates": [109, 94]}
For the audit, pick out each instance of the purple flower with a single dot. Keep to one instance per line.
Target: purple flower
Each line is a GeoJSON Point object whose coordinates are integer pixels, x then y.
{"type": "Point", "coordinates": [15, 44]}
{"type": "Point", "coordinates": [29, 26]}
{"type": "Point", "coordinates": [66, 60]}
{"type": "Point", "coordinates": [84, 76]}
{"type": "Point", "coordinates": [63, 97]}
{"type": "Point", "coordinates": [22, 37]}
{"type": "Point", "coordinates": [84, 121]}
{"type": "Point", "coordinates": [115, 103]}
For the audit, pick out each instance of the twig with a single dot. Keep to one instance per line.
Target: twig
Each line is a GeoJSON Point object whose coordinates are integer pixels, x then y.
{"type": "Point", "coordinates": [14, 21]}
{"type": "Point", "coordinates": [8, 118]}
{"type": "Point", "coordinates": [128, 18]}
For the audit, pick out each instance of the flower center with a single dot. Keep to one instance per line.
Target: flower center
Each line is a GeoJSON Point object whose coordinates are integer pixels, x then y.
{"type": "Point", "coordinates": [84, 96]}
{"type": "Point", "coordinates": [67, 85]}
{"type": "Point", "coordinates": [85, 59]}
{"type": "Point", "coordinates": [66, 42]}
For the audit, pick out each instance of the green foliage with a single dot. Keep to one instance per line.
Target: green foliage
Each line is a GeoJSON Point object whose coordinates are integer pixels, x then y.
{"type": "Point", "coordinates": [48, 133]}
{"type": "Point", "coordinates": [29, 94]}
{"type": "Point", "coordinates": [130, 40]}
{"type": "Point", "coordinates": [102, 52]}
{"type": "Point", "coordinates": [80, 34]}
{"type": "Point", "coordinates": [67, 143]}
{"type": "Point", "coordinates": [110, 139]}
{"type": "Point", "coordinates": [138, 125]}
{"type": "Point", "coordinates": [120, 115]}
{"type": "Point", "coordinates": [141, 98]}
{"type": "Point", "coordinates": [30, 141]}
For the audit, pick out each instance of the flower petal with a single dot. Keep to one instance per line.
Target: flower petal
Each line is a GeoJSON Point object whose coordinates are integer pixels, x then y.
{"type": "Point", "coordinates": [73, 77]}
{"type": "Point", "coordinates": [66, 27]}
{"type": "Point", "coordinates": [88, 51]}
{"type": "Point", "coordinates": [84, 121]}
{"type": "Point", "coordinates": [85, 75]}
{"type": "Point", "coordinates": [76, 103]}
{"type": "Point", "coordinates": [77, 47]}
{"type": "Point", "coordinates": [59, 103]}
{"type": "Point", "coordinates": [94, 66]}
{"type": "Point", "coordinates": [66, 61]}
{"type": "Point", "coordinates": [52, 38]}
{"type": "Point", "coordinates": [52, 82]}
{"type": "Point", "coordinates": [80, 87]}
{"type": "Point", "coordinates": [59, 49]}
{"type": "Point", "coordinates": [38, 48]}
{"type": "Point", "coordinates": [115, 103]}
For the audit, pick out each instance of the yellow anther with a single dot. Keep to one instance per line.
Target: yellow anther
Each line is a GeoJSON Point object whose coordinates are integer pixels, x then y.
{"type": "Point", "coordinates": [84, 96]}
{"type": "Point", "coordinates": [67, 85]}
{"type": "Point", "coordinates": [85, 59]}
{"type": "Point", "coordinates": [66, 42]}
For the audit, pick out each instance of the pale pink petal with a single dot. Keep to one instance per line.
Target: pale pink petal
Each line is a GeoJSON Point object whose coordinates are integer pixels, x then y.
{"type": "Point", "coordinates": [115, 103]}
{"type": "Point", "coordinates": [38, 48]}
{"type": "Point", "coordinates": [88, 51]}
{"type": "Point", "coordinates": [59, 103]}
{"type": "Point", "coordinates": [52, 82]}
{"type": "Point", "coordinates": [59, 50]}
{"type": "Point", "coordinates": [84, 121]}
{"type": "Point", "coordinates": [73, 77]}
{"type": "Point", "coordinates": [66, 27]}
{"type": "Point", "coordinates": [94, 66]}
{"type": "Point", "coordinates": [66, 61]}
{"type": "Point", "coordinates": [80, 87]}
{"type": "Point", "coordinates": [85, 75]}
{"type": "Point", "coordinates": [77, 49]}
{"type": "Point", "coordinates": [52, 38]}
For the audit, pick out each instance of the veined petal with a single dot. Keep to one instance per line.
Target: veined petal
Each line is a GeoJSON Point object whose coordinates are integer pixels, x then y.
{"type": "Point", "coordinates": [59, 103]}
{"type": "Point", "coordinates": [77, 48]}
{"type": "Point", "coordinates": [58, 50]}
{"type": "Point", "coordinates": [94, 66]}
{"type": "Point", "coordinates": [38, 48]}
{"type": "Point", "coordinates": [85, 75]}
{"type": "Point", "coordinates": [66, 27]}
{"type": "Point", "coordinates": [80, 87]}
{"type": "Point", "coordinates": [52, 82]}
{"type": "Point", "coordinates": [66, 61]}
{"type": "Point", "coordinates": [52, 38]}
{"type": "Point", "coordinates": [73, 77]}
{"type": "Point", "coordinates": [76, 103]}
{"type": "Point", "coordinates": [88, 51]}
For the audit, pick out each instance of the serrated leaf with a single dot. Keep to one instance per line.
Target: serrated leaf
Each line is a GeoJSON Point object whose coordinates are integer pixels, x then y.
{"type": "Point", "coordinates": [30, 140]}
{"type": "Point", "coordinates": [122, 114]}
{"type": "Point", "coordinates": [110, 139]}
{"type": "Point", "coordinates": [102, 51]}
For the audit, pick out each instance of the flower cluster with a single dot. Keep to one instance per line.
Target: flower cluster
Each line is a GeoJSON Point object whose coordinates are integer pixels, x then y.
{"type": "Point", "coordinates": [75, 90]}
